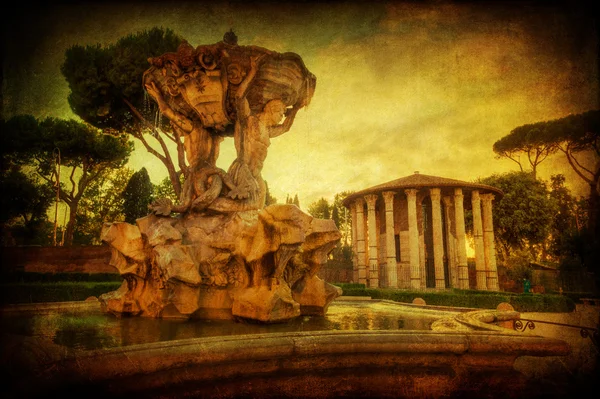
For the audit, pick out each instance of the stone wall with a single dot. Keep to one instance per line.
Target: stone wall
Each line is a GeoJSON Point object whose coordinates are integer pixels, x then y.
{"type": "Point", "coordinates": [79, 259]}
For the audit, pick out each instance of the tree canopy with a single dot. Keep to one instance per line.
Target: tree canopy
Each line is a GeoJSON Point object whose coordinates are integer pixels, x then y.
{"type": "Point", "coordinates": [101, 202]}
{"type": "Point", "coordinates": [82, 152]}
{"type": "Point", "coordinates": [269, 199]}
{"type": "Point", "coordinates": [106, 91]}
{"type": "Point", "coordinates": [137, 195]}
{"type": "Point", "coordinates": [320, 209]}
{"type": "Point", "coordinates": [523, 216]}
{"type": "Point", "coordinates": [571, 136]}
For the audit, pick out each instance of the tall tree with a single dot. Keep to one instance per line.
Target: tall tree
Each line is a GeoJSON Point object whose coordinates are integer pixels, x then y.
{"type": "Point", "coordinates": [102, 202]}
{"type": "Point", "coordinates": [527, 140]}
{"type": "Point", "coordinates": [137, 195]}
{"type": "Point", "coordinates": [106, 91]}
{"type": "Point", "coordinates": [23, 197]}
{"type": "Point", "coordinates": [564, 223]}
{"type": "Point", "coordinates": [344, 222]}
{"type": "Point", "coordinates": [164, 189]}
{"type": "Point", "coordinates": [320, 209]}
{"type": "Point", "coordinates": [523, 216]}
{"type": "Point", "coordinates": [296, 201]}
{"type": "Point", "coordinates": [84, 154]}
{"type": "Point", "coordinates": [269, 199]}
{"type": "Point", "coordinates": [335, 216]}
{"type": "Point", "coordinates": [23, 205]}
{"type": "Point", "coordinates": [341, 255]}
{"type": "Point", "coordinates": [18, 141]}
{"type": "Point", "coordinates": [574, 136]}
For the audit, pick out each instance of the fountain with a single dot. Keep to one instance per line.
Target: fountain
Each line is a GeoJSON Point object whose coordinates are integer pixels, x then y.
{"type": "Point", "coordinates": [220, 256]}
{"type": "Point", "coordinates": [224, 255]}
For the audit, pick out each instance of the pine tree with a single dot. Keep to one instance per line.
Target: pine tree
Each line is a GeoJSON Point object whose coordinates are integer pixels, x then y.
{"type": "Point", "coordinates": [137, 195]}
{"type": "Point", "coordinates": [269, 199]}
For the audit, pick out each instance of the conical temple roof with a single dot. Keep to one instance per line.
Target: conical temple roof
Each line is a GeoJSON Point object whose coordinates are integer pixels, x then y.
{"type": "Point", "coordinates": [418, 180]}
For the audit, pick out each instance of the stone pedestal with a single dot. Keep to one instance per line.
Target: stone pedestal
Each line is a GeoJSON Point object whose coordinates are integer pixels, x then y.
{"type": "Point", "coordinates": [237, 265]}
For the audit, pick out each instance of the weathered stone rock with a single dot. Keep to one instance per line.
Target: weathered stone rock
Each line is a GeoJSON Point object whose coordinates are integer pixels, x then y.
{"type": "Point", "coordinates": [120, 302]}
{"type": "Point", "coordinates": [315, 295]}
{"type": "Point", "coordinates": [125, 238]}
{"type": "Point", "coordinates": [184, 299]}
{"type": "Point", "coordinates": [164, 233]}
{"type": "Point", "coordinates": [266, 304]}
{"type": "Point", "coordinates": [241, 264]}
{"type": "Point", "coordinates": [175, 263]}
{"type": "Point", "coordinates": [224, 240]}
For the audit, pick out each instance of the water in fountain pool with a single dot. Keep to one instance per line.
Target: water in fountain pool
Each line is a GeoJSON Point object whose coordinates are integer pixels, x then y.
{"type": "Point", "coordinates": [96, 330]}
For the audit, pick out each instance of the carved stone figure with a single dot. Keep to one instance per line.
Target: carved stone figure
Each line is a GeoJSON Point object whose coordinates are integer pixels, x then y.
{"type": "Point", "coordinates": [224, 255]}
{"type": "Point", "coordinates": [226, 90]}
{"type": "Point", "coordinates": [253, 133]}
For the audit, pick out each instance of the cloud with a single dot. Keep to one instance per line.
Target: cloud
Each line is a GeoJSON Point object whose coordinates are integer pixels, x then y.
{"type": "Point", "coordinates": [401, 86]}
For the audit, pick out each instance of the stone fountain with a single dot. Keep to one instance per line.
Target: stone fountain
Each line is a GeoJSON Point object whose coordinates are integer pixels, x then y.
{"type": "Point", "coordinates": [219, 252]}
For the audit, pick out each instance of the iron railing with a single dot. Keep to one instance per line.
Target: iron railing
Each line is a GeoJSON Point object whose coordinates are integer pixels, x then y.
{"type": "Point", "coordinates": [585, 332]}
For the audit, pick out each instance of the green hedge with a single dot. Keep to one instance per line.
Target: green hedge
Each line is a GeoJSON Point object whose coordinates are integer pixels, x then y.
{"type": "Point", "coordinates": [345, 286]}
{"type": "Point", "coordinates": [576, 296]}
{"type": "Point", "coordinates": [32, 292]}
{"type": "Point", "coordinates": [53, 292]}
{"type": "Point", "coordinates": [472, 299]}
{"type": "Point", "coordinates": [34, 277]}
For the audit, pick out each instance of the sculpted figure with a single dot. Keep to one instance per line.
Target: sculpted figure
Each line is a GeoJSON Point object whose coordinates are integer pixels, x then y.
{"type": "Point", "coordinates": [215, 260]}
{"type": "Point", "coordinates": [252, 137]}
{"type": "Point", "coordinates": [201, 151]}
{"type": "Point", "coordinates": [200, 145]}
{"type": "Point", "coordinates": [221, 90]}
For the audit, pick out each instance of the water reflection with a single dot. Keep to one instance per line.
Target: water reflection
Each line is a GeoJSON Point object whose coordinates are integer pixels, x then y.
{"type": "Point", "coordinates": [86, 331]}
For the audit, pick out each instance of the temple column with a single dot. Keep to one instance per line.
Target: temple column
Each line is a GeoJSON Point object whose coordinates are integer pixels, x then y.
{"type": "Point", "coordinates": [461, 240]}
{"type": "Point", "coordinates": [354, 244]}
{"type": "Point", "coordinates": [438, 238]}
{"type": "Point", "coordinates": [413, 239]}
{"type": "Point", "coordinates": [372, 226]}
{"type": "Point", "coordinates": [361, 249]}
{"type": "Point", "coordinates": [450, 244]}
{"type": "Point", "coordinates": [390, 242]}
{"type": "Point", "coordinates": [491, 270]}
{"type": "Point", "coordinates": [479, 246]}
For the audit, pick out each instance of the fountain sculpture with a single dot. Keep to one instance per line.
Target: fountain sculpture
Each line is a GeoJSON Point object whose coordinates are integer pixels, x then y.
{"type": "Point", "coordinates": [219, 252]}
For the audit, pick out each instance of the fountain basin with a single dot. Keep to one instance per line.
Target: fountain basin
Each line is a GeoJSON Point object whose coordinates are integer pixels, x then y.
{"type": "Point", "coordinates": [333, 363]}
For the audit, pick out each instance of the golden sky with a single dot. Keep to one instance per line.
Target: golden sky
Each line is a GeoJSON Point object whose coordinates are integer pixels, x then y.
{"type": "Point", "coordinates": [401, 86]}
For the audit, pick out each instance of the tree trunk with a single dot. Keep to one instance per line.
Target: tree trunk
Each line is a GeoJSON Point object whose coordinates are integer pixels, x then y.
{"type": "Point", "coordinates": [593, 212]}
{"type": "Point", "coordinates": [70, 230]}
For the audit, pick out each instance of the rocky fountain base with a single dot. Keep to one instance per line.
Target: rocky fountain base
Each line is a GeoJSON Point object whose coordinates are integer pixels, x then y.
{"type": "Point", "coordinates": [254, 265]}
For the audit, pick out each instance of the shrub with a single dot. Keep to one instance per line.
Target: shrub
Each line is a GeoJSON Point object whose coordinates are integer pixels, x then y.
{"type": "Point", "coordinates": [53, 292]}
{"type": "Point", "coordinates": [35, 277]}
{"type": "Point", "coordinates": [345, 286]}
{"type": "Point", "coordinates": [471, 299]}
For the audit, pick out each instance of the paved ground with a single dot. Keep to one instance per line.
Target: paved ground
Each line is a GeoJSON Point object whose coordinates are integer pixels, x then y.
{"type": "Point", "coordinates": [573, 375]}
